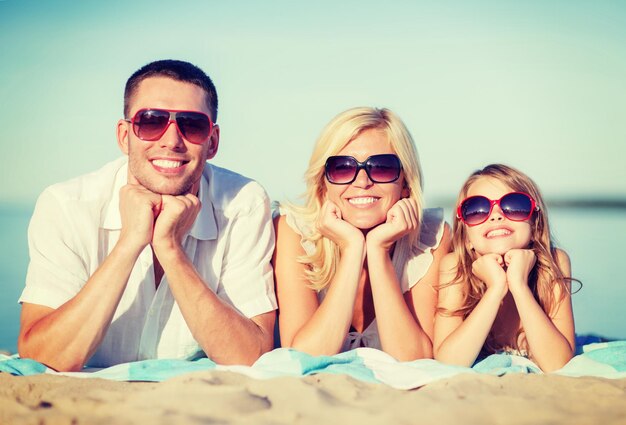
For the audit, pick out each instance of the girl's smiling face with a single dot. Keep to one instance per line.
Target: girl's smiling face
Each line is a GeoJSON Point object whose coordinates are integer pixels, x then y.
{"type": "Point", "coordinates": [498, 234]}
{"type": "Point", "coordinates": [363, 203]}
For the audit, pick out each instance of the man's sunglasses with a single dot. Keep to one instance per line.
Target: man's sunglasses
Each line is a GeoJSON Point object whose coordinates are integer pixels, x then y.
{"type": "Point", "coordinates": [151, 124]}
{"type": "Point", "coordinates": [379, 168]}
{"type": "Point", "coordinates": [515, 206]}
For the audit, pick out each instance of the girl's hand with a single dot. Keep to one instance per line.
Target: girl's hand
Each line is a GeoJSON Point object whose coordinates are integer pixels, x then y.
{"type": "Point", "coordinates": [519, 263]}
{"type": "Point", "coordinates": [490, 269]}
{"type": "Point", "coordinates": [401, 219]}
{"type": "Point", "coordinates": [332, 226]}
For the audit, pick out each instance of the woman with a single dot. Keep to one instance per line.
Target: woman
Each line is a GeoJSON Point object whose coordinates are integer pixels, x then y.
{"type": "Point", "coordinates": [357, 265]}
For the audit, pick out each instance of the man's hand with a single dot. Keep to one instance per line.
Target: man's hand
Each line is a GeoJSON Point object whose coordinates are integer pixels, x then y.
{"type": "Point", "coordinates": [334, 227]}
{"type": "Point", "coordinates": [402, 218]}
{"type": "Point", "coordinates": [519, 263]}
{"type": "Point", "coordinates": [489, 269]}
{"type": "Point", "coordinates": [177, 216]}
{"type": "Point", "coordinates": [139, 208]}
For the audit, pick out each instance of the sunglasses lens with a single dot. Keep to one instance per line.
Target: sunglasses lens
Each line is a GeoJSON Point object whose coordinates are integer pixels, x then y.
{"type": "Point", "coordinates": [475, 210]}
{"type": "Point", "coordinates": [340, 169]}
{"type": "Point", "coordinates": [383, 168]}
{"type": "Point", "coordinates": [516, 206]}
{"type": "Point", "coordinates": [194, 126]}
{"type": "Point", "coordinates": [150, 124]}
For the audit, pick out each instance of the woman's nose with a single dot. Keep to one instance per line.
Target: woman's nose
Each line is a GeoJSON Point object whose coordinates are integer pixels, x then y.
{"type": "Point", "coordinates": [362, 179]}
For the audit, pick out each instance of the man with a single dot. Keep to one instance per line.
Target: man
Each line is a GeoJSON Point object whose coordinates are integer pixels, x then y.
{"type": "Point", "coordinates": [158, 254]}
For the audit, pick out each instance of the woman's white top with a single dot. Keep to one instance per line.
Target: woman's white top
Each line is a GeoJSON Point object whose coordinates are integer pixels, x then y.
{"type": "Point", "coordinates": [410, 264]}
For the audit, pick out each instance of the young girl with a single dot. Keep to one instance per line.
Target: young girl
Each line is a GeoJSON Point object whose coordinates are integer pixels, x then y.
{"type": "Point", "coordinates": [505, 287]}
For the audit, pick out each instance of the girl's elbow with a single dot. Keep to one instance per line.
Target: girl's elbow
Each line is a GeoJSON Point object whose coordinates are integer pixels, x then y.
{"type": "Point", "coordinates": [557, 363]}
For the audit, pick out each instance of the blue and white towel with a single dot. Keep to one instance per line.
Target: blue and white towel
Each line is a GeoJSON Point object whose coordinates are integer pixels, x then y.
{"type": "Point", "coordinates": [607, 360]}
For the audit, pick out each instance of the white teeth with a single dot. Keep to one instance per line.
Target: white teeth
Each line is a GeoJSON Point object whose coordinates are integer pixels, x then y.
{"type": "Point", "coordinates": [498, 232]}
{"type": "Point", "coordinates": [164, 163]}
{"type": "Point", "coordinates": [362, 201]}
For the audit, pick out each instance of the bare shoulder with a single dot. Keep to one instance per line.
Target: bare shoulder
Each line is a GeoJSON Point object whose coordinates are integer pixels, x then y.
{"type": "Point", "coordinates": [449, 263]}
{"type": "Point", "coordinates": [444, 245]}
{"type": "Point", "coordinates": [450, 291]}
{"type": "Point", "coordinates": [284, 231]}
{"type": "Point", "coordinates": [561, 256]}
{"type": "Point", "coordinates": [288, 241]}
{"type": "Point", "coordinates": [563, 261]}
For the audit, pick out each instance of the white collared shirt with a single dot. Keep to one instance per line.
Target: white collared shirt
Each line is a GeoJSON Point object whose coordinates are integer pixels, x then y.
{"type": "Point", "coordinates": [77, 223]}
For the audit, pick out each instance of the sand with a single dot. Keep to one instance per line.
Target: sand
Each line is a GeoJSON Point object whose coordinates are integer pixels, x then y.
{"type": "Point", "coordinates": [227, 397]}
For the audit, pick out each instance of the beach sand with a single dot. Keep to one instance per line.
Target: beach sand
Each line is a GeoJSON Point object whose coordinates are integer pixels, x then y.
{"type": "Point", "coordinates": [227, 397]}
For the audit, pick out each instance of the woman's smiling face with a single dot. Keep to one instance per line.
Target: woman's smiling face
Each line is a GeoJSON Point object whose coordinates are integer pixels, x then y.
{"type": "Point", "coordinates": [498, 234]}
{"type": "Point", "coordinates": [363, 203]}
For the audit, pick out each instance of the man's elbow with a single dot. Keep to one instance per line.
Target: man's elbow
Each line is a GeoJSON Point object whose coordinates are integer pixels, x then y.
{"type": "Point", "coordinates": [60, 361]}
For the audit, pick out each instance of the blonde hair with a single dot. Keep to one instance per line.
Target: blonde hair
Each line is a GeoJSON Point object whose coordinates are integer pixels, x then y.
{"type": "Point", "coordinates": [545, 273]}
{"type": "Point", "coordinates": [341, 130]}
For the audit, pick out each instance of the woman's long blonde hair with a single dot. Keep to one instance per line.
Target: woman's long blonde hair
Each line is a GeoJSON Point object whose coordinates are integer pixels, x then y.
{"type": "Point", "coordinates": [344, 128]}
{"type": "Point", "coordinates": [546, 272]}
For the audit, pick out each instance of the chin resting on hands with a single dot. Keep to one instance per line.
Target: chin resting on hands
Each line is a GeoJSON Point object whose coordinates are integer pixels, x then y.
{"type": "Point", "coordinates": [177, 216]}
{"type": "Point", "coordinates": [402, 218]}
{"type": "Point", "coordinates": [490, 269]}
{"type": "Point", "coordinates": [332, 226]}
{"type": "Point", "coordinates": [519, 263]}
{"type": "Point", "coordinates": [139, 208]}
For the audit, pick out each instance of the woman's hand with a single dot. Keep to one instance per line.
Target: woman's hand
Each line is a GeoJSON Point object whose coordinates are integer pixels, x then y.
{"type": "Point", "coordinates": [490, 269]}
{"type": "Point", "coordinates": [519, 263]}
{"type": "Point", "coordinates": [402, 218]}
{"type": "Point", "coordinates": [332, 226]}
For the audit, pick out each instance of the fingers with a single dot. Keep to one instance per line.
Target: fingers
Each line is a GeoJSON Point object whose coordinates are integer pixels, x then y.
{"type": "Point", "coordinates": [404, 212]}
{"type": "Point", "coordinates": [181, 206]}
{"type": "Point", "coordinates": [138, 209]}
{"type": "Point", "coordinates": [332, 210]}
{"type": "Point", "coordinates": [331, 225]}
{"type": "Point", "coordinates": [524, 255]}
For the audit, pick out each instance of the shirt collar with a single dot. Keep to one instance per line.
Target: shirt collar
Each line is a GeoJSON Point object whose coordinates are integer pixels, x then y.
{"type": "Point", "coordinates": [204, 227]}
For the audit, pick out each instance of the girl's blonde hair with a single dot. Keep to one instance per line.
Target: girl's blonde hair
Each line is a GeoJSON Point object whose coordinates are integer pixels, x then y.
{"type": "Point", "coordinates": [344, 128]}
{"type": "Point", "coordinates": [546, 272]}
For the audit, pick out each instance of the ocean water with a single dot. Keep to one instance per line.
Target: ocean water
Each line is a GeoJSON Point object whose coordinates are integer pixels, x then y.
{"type": "Point", "coordinates": [594, 238]}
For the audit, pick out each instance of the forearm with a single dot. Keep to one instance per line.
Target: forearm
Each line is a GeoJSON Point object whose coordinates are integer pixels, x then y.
{"type": "Point", "coordinates": [225, 335]}
{"type": "Point", "coordinates": [548, 347]}
{"type": "Point", "coordinates": [462, 346]}
{"type": "Point", "coordinates": [67, 337]}
{"type": "Point", "coordinates": [401, 335]}
{"type": "Point", "coordinates": [326, 330]}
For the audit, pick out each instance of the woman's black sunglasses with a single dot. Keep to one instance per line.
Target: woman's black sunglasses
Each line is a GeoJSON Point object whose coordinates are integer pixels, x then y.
{"type": "Point", "coordinates": [343, 169]}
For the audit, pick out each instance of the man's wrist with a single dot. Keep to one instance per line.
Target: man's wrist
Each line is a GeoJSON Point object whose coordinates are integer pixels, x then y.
{"type": "Point", "coordinates": [129, 248]}
{"type": "Point", "coordinates": [167, 251]}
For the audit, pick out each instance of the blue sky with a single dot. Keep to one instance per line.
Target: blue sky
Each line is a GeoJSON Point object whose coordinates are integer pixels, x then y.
{"type": "Point", "coordinates": [537, 85]}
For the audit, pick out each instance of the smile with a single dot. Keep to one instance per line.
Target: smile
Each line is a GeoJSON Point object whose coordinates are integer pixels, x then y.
{"type": "Point", "coordinates": [497, 233]}
{"type": "Point", "coordinates": [166, 163]}
{"type": "Point", "coordinates": [366, 200]}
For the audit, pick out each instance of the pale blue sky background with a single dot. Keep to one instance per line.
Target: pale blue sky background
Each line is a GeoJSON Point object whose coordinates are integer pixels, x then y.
{"type": "Point", "coordinates": [540, 85]}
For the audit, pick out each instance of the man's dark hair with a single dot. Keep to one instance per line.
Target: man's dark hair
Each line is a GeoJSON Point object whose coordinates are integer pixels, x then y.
{"type": "Point", "coordinates": [176, 70]}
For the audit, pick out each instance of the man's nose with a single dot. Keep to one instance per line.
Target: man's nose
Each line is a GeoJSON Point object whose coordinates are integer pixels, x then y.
{"type": "Point", "coordinates": [172, 138]}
